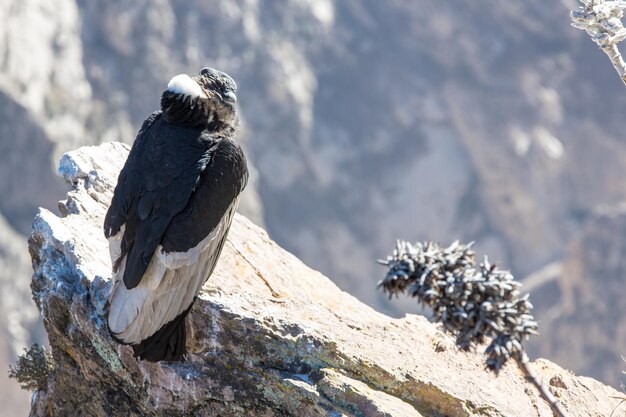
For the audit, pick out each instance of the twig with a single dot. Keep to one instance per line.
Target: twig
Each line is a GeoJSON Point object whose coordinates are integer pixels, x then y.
{"type": "Point", "coordinates": [524, 365]}
{"type": "Point", "coordinates": [602, 21]}
{"type": "Point", "coordinates": [256, 271]}
{"type": "Point", "coordinates": [623, 400]}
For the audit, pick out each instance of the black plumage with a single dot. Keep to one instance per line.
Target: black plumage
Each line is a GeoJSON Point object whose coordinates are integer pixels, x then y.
{"type": "Point", "coordinates": [178, 189]}
{"type": "Point", "coordinates": [167, 344]}
{"type": "Point", "coordinates": [225, 175]}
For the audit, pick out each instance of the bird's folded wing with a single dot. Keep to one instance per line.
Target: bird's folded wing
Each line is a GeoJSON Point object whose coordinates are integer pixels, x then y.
{"type": "Point", "coordinates": [156, 183]}
{"type": "Point", "coordinates": [186, 254]}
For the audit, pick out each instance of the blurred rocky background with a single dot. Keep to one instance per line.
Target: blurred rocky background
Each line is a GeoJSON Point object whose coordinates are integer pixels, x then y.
{"type": "Point", "coordinates": [366, 121]}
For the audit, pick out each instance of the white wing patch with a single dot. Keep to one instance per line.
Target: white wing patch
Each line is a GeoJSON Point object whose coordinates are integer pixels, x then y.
{"type": "Point", "coordinates": [184, 84]}
{"type": "Point", "coordinates": [168, 287]}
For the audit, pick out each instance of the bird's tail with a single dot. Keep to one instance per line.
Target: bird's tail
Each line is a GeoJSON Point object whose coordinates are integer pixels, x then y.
{"type": "Point", "coordinates": [167, 344]}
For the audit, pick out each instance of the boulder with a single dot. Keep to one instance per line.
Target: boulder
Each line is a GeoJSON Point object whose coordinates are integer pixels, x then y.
{"type": "Point", "coordinates": [268, 336]}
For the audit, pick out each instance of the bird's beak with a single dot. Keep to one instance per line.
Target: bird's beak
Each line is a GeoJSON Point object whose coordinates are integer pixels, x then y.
{"type": "Point", "coordinates": [229, 97]}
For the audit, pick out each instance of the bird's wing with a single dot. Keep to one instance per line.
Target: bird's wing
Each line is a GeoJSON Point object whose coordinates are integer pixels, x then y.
{"type": "Point", "coordinates": [128, 183]}
{"type": "Point", "coordinates": [188, 251]}
{"type": "Point", "coordinates": [156, 183]}
{"type": "Point", "coordinates": [222, 181]}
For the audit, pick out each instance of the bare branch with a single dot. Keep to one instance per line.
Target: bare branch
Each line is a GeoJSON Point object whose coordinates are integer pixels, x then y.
{"type": "Point", "coordinates": [602, 21]}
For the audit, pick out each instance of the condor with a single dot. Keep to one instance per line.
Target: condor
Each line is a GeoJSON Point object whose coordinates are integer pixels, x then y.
{"type": "Point", "coordinates": [171, 210]}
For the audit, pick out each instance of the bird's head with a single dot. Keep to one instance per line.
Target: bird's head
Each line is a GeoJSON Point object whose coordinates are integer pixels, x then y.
{"type": "Point", "coordinates": [208, 99]}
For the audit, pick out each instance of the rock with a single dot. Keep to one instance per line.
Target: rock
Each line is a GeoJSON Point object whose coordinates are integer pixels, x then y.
{"type": "Point", "coordinates": [268, 336]}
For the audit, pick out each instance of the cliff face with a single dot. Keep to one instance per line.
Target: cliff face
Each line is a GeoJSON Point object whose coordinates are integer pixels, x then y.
{"type": "Point", "coordinates": [42, 97]}
{"type": "Point", "coordinates": [367, 122]}
{"type": "Point", "coordinates": [267, 336]}
{"type": "Point", "coordinates": [593, 296]}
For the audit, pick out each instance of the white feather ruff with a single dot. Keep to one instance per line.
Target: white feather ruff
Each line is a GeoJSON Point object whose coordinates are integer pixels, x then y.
{"type": "Point", "coordinates": [184, 84]}
{"type": "Point", "coordinates": [168, 287]}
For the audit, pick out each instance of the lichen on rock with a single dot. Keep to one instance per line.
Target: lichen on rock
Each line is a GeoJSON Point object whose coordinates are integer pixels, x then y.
{"type": "Point", "coordinates": [268, 336]}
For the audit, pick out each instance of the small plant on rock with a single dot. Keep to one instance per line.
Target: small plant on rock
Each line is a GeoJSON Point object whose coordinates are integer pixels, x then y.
{"type": "Point", "coordinates": [476, 304]}
{"type": "Point", "coordinates": [33, 368]}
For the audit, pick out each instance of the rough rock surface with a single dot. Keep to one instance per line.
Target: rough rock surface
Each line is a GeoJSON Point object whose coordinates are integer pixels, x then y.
{"type": "Point", "coordinates": [268, 336]}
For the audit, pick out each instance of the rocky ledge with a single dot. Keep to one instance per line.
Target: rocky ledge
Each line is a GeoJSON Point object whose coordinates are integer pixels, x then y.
{"type": "Point", "coordinates": [268, 336]}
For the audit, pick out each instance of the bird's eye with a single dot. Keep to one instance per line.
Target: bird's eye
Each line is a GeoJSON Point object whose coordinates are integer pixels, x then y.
{"type": "Point", "coordinates": [229, 97]}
